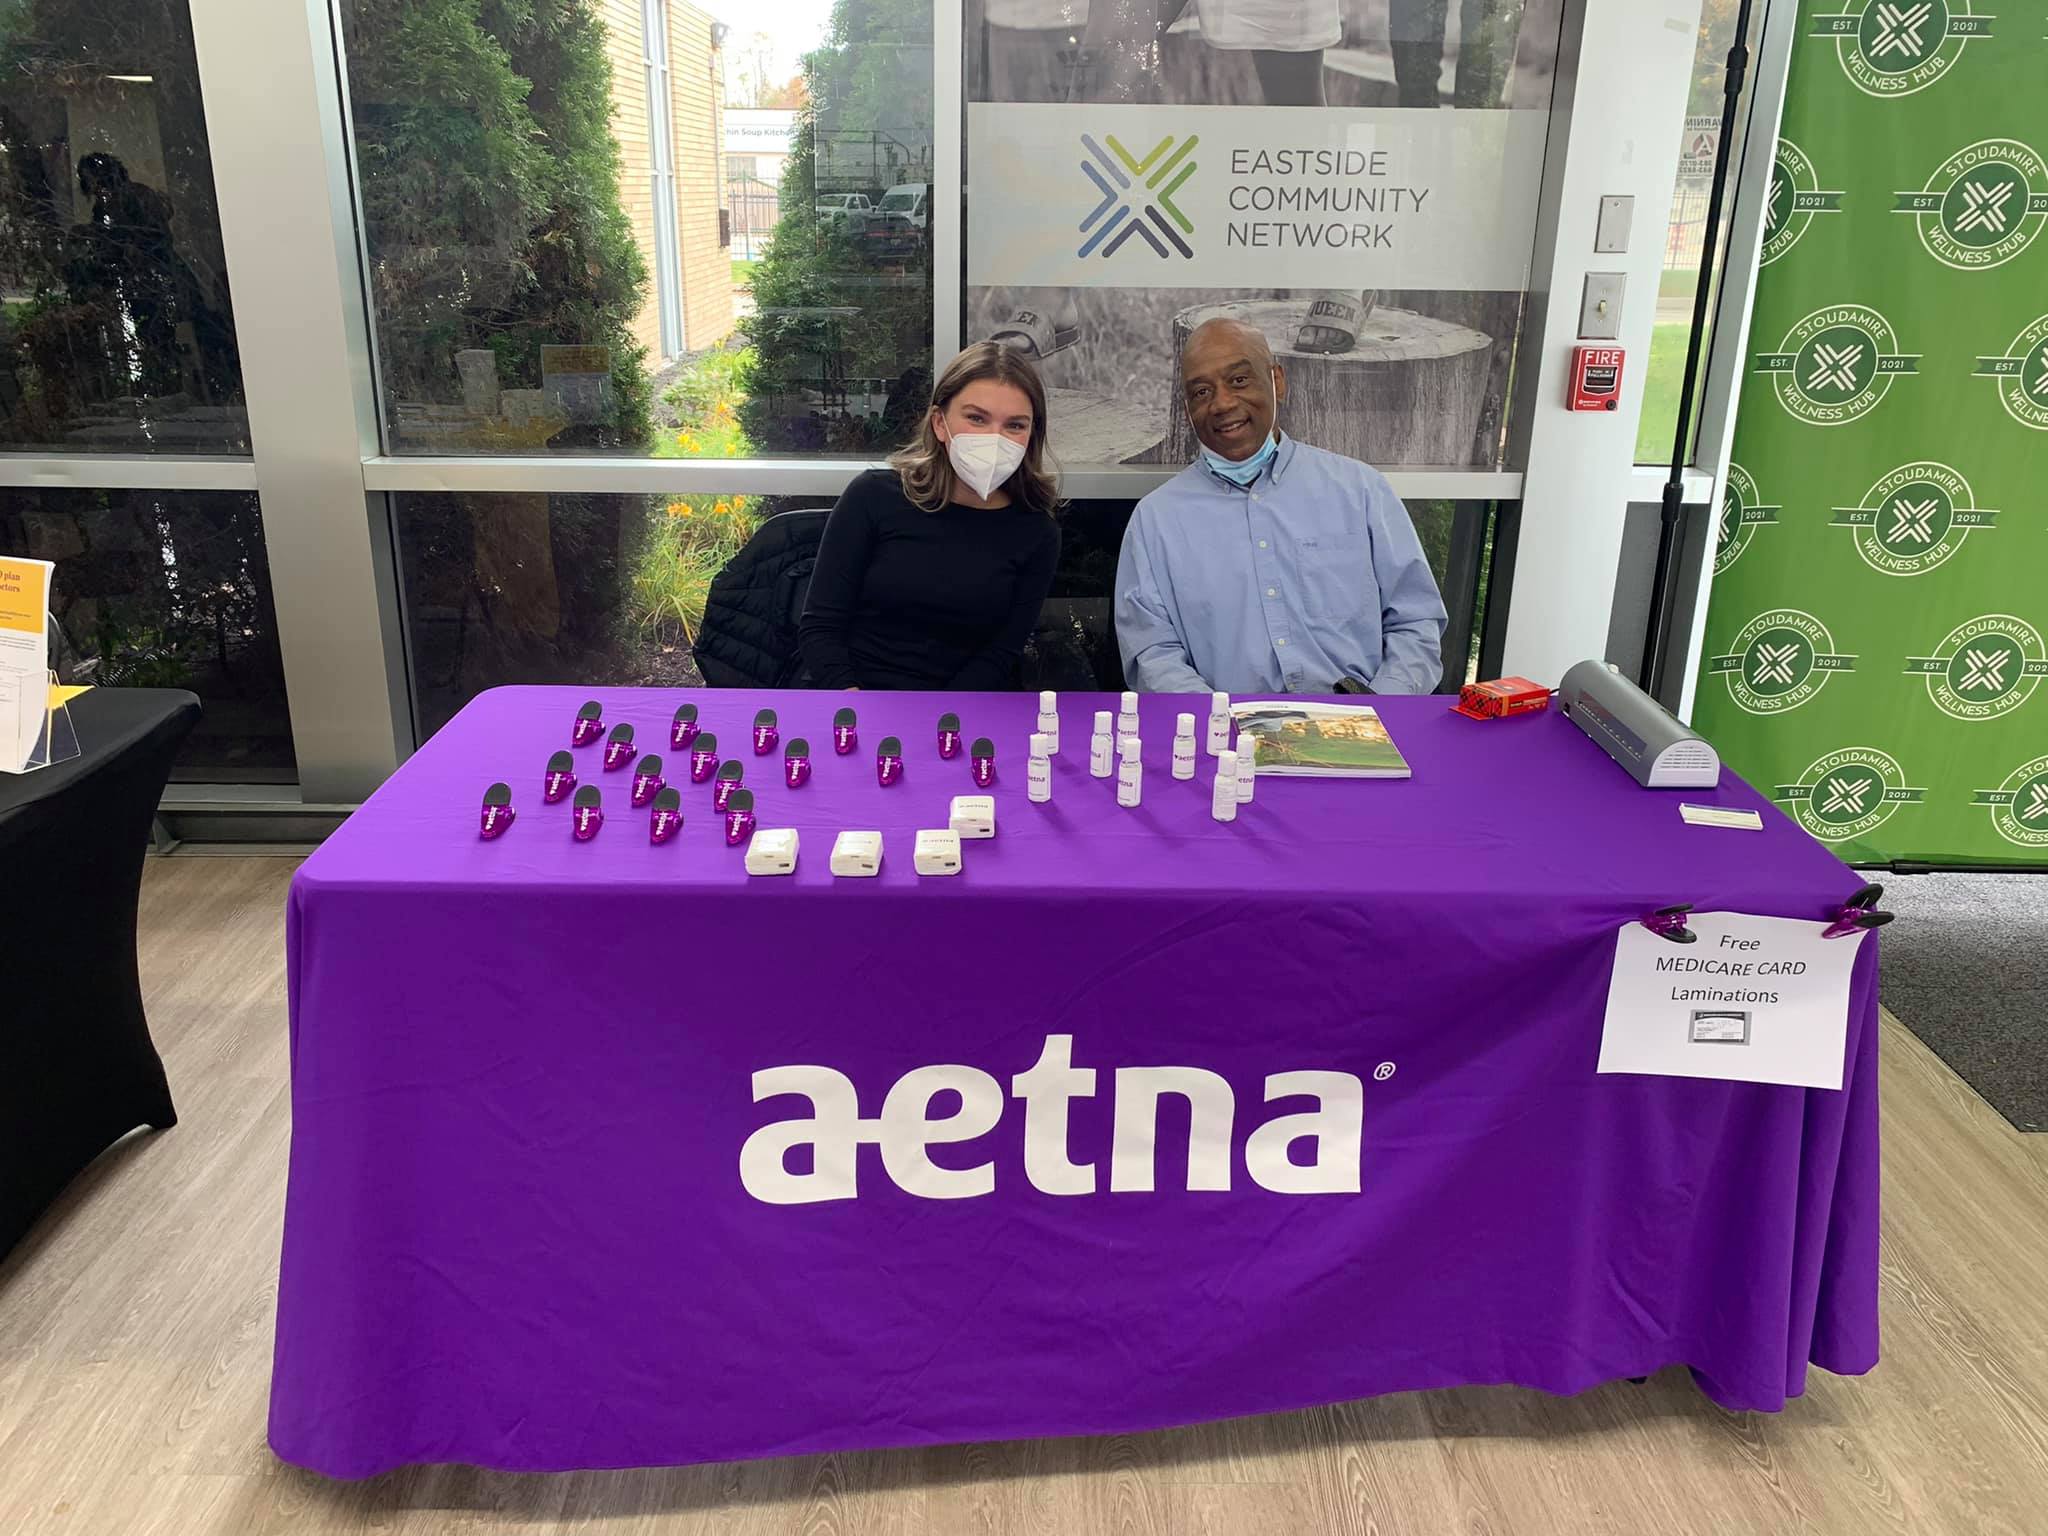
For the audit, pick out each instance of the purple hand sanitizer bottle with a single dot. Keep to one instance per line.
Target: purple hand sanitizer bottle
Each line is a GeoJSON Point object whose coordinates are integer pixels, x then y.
{"type": "Point", "coordinates": [647, 780]}
{"type": "Point", "coordinates": [667, 820]}
{"type": "Point", "coordinates": [498, 812]}
{"type": "Point", "coordinates": [559, 779]}
{"type": "Point", "coordinates": [845, 732]}
{"type": "Point", "coordinates": [765, 733]}
{"type": "Point", "coordinates": [620, 750]}
{"type": "Point", "coordinates": [984, 762]}
{"type": "Point", "coordinates": [729, 776]}
{"type": "Point", "coordinates": [703, 758]}
{"type": "Point", "coordinates": [683, 729]}
{"type": "Point", "coordinates": [588, 814]}
{"type": "Point", "coordinates": [949, 736]}
{"type": "Point", "coordinates": [889, 762]}
{"type": "Point", "coordinates": [739, 817]}
{"type": "Point", "coordinates": [589, 725]}
{"type": "Point", "coordinates": [796, 763]}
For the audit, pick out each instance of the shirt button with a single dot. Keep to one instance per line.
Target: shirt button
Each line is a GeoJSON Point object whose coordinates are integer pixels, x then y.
{"type": "Point", "coordinates": [1262, 543]}
{"type": "Point", "coordinates": [1255, 495]}
{"type": "Point", "coordinates": [1272, 591]}
{"type": "Point", "coordinates": [1279, 642]}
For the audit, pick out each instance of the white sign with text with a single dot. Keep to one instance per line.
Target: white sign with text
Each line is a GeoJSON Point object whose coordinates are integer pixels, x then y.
{"type": "Point", "coordinates": [1755, 1000]}
{"type": "Point", "coordinates": [1119, 196]}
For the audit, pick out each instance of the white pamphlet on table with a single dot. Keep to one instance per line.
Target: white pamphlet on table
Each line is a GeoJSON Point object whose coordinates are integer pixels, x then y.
{"type": "Point", "coordinates": [24, 658]}
{"type": "Point", "coordinates": [1755, 1000]}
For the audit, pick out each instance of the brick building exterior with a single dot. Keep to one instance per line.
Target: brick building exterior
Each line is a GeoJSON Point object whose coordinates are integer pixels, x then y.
{"type": "Point", "coordinates": [692, 274]}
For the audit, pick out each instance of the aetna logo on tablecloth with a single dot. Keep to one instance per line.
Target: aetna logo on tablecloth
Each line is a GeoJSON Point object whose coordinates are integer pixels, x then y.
{"type": "Point", "coordinates": [906, 1129]}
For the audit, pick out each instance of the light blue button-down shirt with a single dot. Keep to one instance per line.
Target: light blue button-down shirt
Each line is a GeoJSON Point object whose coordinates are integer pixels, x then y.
{"type": "Point", "coordinates": [1310, 574]}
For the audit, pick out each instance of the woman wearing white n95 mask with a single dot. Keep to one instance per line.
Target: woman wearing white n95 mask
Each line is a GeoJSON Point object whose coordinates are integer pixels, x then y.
{"type": "Point", "coordinates": [932, 571]}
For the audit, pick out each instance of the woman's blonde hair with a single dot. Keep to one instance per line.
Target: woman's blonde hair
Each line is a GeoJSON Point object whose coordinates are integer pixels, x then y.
{"type": "Point", "coordinates": [928, 478]}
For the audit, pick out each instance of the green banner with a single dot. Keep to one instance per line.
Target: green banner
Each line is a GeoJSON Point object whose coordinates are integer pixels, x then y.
{"type": "Point", "coordinates": [1875, 654]}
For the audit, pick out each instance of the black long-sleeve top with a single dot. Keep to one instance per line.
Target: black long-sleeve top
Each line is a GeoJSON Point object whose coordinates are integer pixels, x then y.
{"type": "Point", "coordinates": [903, 598]}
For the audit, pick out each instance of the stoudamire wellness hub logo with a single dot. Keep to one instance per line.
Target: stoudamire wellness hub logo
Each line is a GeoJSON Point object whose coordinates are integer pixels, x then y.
{"type": "Point", "coordinates": [1896, 47]}
{"type": "Point", "coordinates": [1913, 519]}
{"type": "Point", "coordinates": [1837, 365]}
{"type": "Point", "coordinates": [1743, 511]}
{"type": "Point", "coordinates": [1983, 206]}
{"type": "Point", "coordinates": [1781, 660]}
{"type": "Point", "coordinates": [2022, 374]}
{"type": "Point", "coordinates": [1137, 196]}
{"type": "Point", "coordinates": [1985, 668]}
{"type": "Point", "coordinates": [1796, 196]}
{"type": "Point", "coordinates": [2019, 806]}
{"type": "Point", "coordinates": [1848, 793]}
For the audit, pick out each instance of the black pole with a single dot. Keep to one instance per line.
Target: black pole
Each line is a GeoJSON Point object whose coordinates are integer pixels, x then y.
{"type": "Point", "coordinates": [1657, 634]}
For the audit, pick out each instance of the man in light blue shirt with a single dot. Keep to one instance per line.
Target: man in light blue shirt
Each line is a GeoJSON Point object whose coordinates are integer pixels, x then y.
{"type": "Point", "coordinates": [1268, 565]}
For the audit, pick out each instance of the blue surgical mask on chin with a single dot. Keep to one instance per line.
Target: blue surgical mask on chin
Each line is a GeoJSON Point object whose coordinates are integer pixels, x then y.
{"type": "Point", "coordinates": [1243, 471]}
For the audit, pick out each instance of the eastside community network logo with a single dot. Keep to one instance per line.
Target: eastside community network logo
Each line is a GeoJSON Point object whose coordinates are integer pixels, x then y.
{"type": "Point", "coordinates": [1893, 48]}
{"type": "Point", "coordinates": [1985, 668]}
{"type": "Point", "coordinates": [2022, 374]}
{"type": "Point", "coordinates": [1914, 519]}
{"type": "Point", "coordinates": [1780, 660]}
{"type": "Point", "coordinates": [1837, 365]}
{"type": "Point", "coordinates": [1743, 511]}
{"type": "Point", "coordinates": [2019, 806]}
{"type": "Point", "coordinates": [1134, 201]}
{"type": "Point", "coordinates": [1982, 206]}
{"type": "Point", "coordinates": [1848, 793]}
{"type": "Point", "coordinates": [1796, 196]}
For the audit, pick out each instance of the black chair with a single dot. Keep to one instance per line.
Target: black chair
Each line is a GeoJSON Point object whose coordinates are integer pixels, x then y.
{"type": "Point", "coordinates": [748, 637]}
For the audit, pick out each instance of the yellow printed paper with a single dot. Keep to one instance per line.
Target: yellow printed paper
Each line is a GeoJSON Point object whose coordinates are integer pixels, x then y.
{"type": "Point", "coordinates": [24, 595]}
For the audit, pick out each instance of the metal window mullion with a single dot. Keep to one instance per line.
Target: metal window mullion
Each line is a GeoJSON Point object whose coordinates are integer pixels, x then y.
{"type": "Point", "coordinates": [946, 208]}
{"type": "Point", "coordinates": [127, 472]}
{"type": "Point", "coordinates": [276, 123]}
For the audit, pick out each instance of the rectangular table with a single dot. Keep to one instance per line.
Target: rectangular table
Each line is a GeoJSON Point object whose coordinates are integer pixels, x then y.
{"type": "Point", "coordinates": [538, 1220]}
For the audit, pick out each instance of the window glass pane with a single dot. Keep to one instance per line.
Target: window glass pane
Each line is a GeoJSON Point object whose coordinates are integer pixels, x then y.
{"type": "Point", "coordinates": [1411, 151]}
{"type": "Point", "coordinates": [516, 588]}
{"type": "Point", "coordinates": [1685, 237]}
{"type": "Point", "coordinates": [116, 333]}
{"type": "Point", "coordinates": [168, 589]}
{"type": "Point", "coordinates": [692, 230]}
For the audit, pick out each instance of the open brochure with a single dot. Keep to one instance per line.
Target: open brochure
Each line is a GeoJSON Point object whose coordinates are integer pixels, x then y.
{"type": "Point", "coordinates": [1329, 741]}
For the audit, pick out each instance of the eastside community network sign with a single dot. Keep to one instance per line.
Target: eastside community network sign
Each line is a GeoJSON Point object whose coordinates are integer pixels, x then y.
{"type": "Point", "coordinates": [1123, 196]}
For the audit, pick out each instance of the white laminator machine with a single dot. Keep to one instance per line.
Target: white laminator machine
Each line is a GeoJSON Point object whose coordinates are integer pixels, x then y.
{"type": "Point", "coordinates": [1637, 731]}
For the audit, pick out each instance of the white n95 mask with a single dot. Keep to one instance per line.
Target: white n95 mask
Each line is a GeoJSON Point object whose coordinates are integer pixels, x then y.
{"type": "Point", "coordinates": [984, 459]}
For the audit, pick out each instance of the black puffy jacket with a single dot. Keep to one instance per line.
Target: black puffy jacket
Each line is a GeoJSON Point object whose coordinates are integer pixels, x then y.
{"type": "Point", "coordinates": [748, 637]}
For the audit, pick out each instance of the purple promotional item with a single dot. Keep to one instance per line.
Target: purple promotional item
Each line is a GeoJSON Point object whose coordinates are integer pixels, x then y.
{"type": "Point", "coordinates": [889, 762]}
{"type": "Point", "coordinates": [539, 1218]}
{"type": "Point", "coordinates": [620, 750]}
{"type": "Point", "coordinates": [647, 780]}
{"type": "Point", "coordinates": [949, 736]}
{"type": "Point", "coordinates": [587, 813]}
{"type": "Point", "coordinates": [729, 777]}
{"type": "Point", "coordinates": [796, 763]}
{"type": "Point", "coordinates": [667, 819]}
{"type": "Point", "coordinates": [739, 817]}
{"type": "Point", "coordinates": [845, 732]}
{"type": "Point", "coordinates": [703, 758]}
{"type": "Point", "coordinates": [766, 735]}
{"type": "Point", "coordinates": [683, 729]}
{"type": "Point", "coordinates": [559, 779]}
{"type": "Point", "coordinates": [589, 725]}
{"type": "Point", "coordinates": [984, 764]}
{"type": "Point", "coordinates": [498, 813]}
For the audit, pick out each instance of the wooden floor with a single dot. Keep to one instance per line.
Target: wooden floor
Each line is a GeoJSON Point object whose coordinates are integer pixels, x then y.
{"type": "Point", "coordinates": [135, 1328]}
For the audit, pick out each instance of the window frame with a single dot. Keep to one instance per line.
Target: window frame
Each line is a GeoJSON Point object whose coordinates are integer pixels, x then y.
{"type": "Point", "coordinates": [275, 93]}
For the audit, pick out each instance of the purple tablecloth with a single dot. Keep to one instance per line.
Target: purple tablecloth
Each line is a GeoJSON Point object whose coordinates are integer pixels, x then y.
{"type": "Point", "coordinates": [518, 1232]}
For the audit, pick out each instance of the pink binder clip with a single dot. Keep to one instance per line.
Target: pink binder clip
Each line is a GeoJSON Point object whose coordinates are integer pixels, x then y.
{"type": "Point", "coordinates": [498, 813]}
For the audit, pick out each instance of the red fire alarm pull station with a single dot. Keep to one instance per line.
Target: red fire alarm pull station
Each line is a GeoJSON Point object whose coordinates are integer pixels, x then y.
{"type": "Point", "coordinates": [1596, 379]}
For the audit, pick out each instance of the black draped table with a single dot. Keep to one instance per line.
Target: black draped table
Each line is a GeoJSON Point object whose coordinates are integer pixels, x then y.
{"type": "Point", "coordinates": [77, 1068]}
